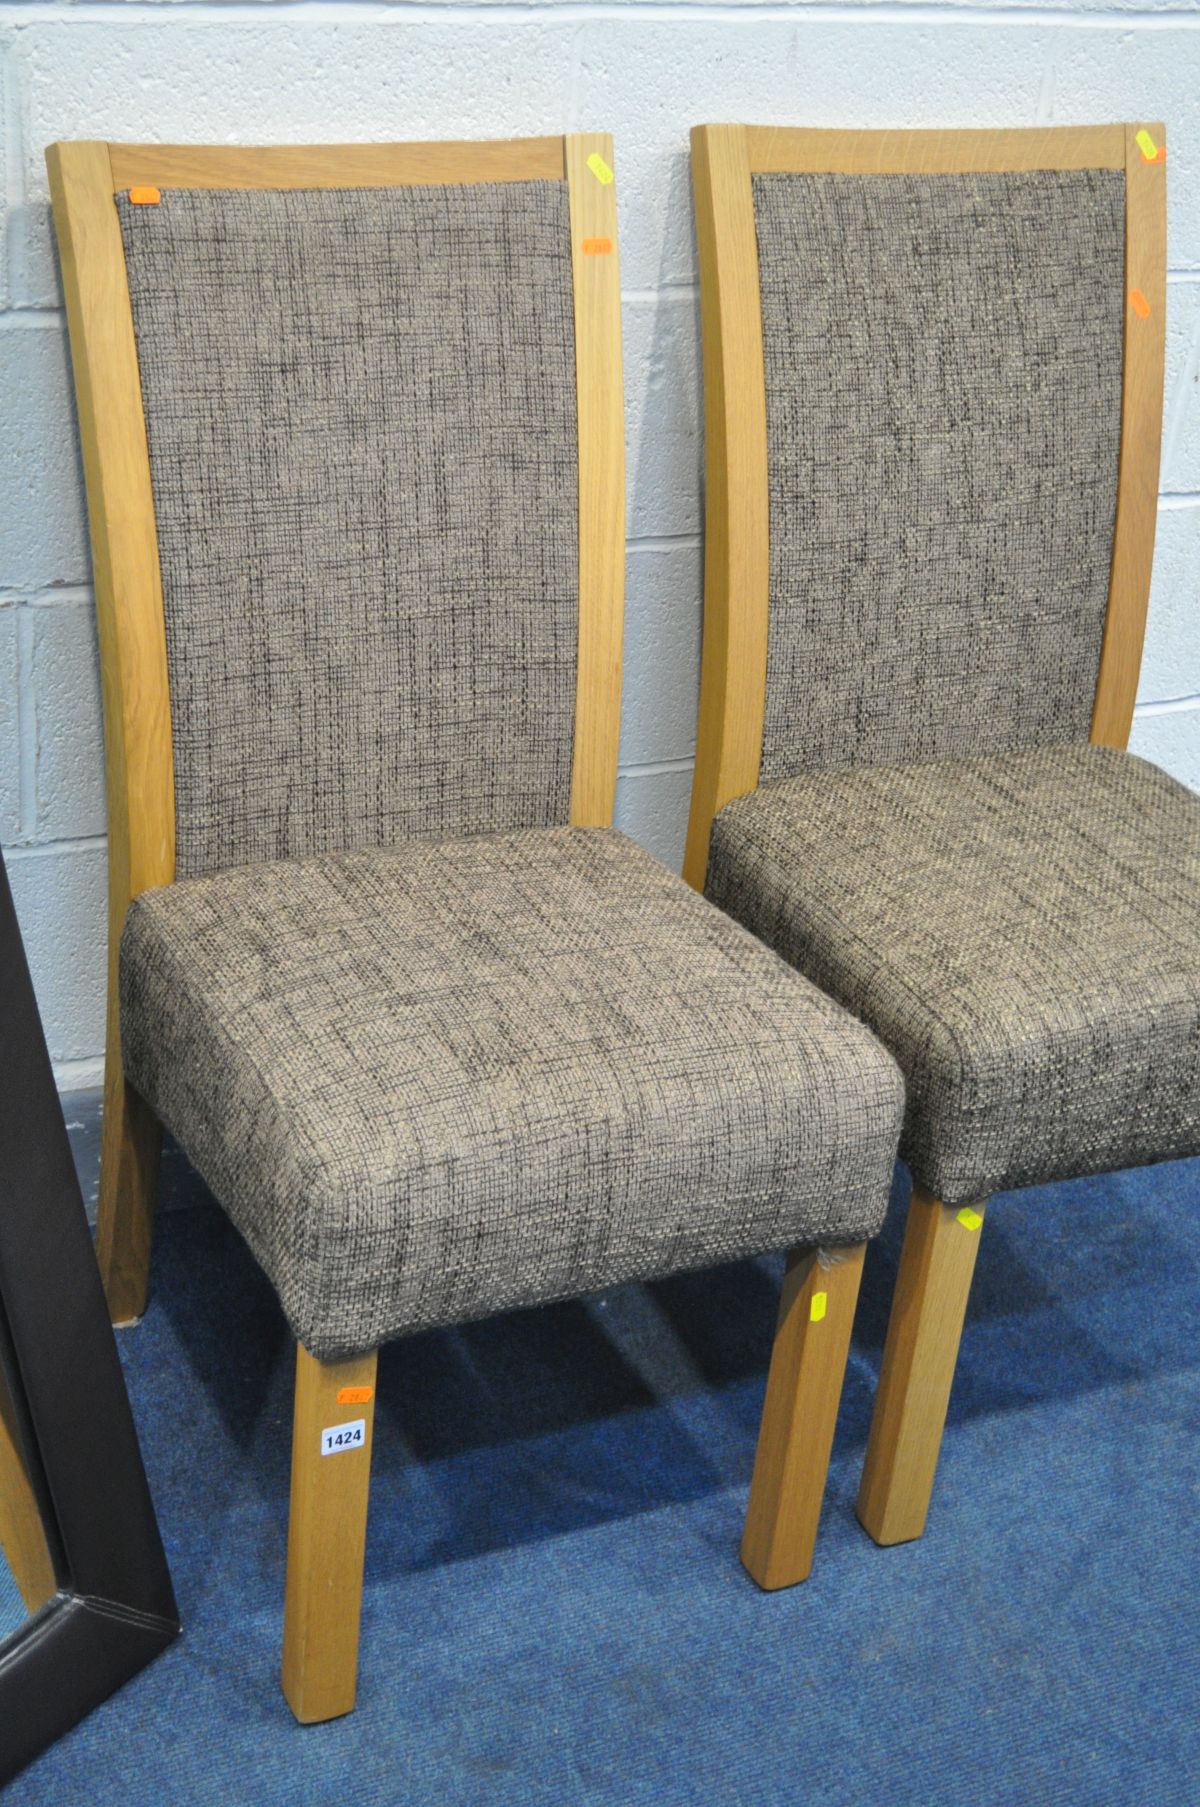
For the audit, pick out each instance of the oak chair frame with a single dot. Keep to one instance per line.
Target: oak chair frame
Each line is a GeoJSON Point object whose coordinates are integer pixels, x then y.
{"type": "Point", "coordinates": [940, 1244]}
{"type": "Point", "coordinates": [329, 1498]}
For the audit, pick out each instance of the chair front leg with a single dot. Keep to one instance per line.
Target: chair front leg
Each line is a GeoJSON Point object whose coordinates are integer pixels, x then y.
{"type": "Point", "coordinates": [130, 1147]}
{"type": "Point", "coordinates": [919, 1356]}
{"type": "Point", "coordinates": [804, 1386]}
{"type": "Point", "coordinates": [327, 1533]}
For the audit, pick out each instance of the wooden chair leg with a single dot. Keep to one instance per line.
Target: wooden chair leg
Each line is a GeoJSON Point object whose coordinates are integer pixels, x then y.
{"type": "Point", "coordinates": [804, 1386]}
{"type": "Point", "coordinates": [21, 1536]}
{"type": "Point", "coordinates": [130, 1146]}
{"type": "Point", "coordinates": [919, 1355]}
{"type": "Point", "coordinates": [327, 1534]}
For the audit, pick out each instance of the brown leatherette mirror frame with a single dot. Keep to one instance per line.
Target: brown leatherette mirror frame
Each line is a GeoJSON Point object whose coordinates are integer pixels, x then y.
{"type": "Point", "coordinates": [113, 1608]}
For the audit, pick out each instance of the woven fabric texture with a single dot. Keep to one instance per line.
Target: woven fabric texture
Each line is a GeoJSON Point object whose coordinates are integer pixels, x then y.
{"type": "Point", "coordinates": [1021, 930]}
{"type": "Point", "coordinates": [943, 374]}
{"type": "Point", "coordinates": [361, 416]}
{"type": "Point", "coordinates": [434, 1082]}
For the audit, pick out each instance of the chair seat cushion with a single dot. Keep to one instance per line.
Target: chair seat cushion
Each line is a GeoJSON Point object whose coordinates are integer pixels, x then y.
{"type": "Point", "coordinates": [436, 1081]}
{"type": "Point", "coordinates": [1021, 930]}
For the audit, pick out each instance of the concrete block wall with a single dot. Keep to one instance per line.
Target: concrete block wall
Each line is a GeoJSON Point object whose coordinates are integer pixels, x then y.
{"type": "Point", "coordinates": [280, 70]}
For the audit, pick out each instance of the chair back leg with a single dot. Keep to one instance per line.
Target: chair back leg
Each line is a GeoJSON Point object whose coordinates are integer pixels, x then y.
{"type": "Point", "coordinates": [130, 1147]}
{"type": "Point", "coordinates": [22, 1539]}
{"type": "Point", "coordinates": [327, 1533]}
{"type": "Point", "coordinates": [804, 1387]}
{"type": "Point", "coordinates": [919, 1356]}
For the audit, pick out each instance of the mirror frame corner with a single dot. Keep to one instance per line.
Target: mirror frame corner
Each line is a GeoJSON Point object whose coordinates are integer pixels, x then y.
{"type": "Point", "coordinates": [114, 1609]}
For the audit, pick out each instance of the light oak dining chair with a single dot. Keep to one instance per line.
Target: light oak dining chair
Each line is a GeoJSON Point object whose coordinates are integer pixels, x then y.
{"type": "Point", "coordinates": [441, 1042]}
{"type": "Point", "coordinates": [933, 365]}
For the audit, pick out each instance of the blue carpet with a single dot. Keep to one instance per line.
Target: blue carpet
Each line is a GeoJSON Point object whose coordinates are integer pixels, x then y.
{"type": "Point", "coordinates": [12, 1607]}
{"type": "Point", "coordinates": [554, 1609]}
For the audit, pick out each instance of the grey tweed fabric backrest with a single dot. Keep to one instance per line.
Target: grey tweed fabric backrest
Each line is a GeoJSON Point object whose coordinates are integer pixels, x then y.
{"type": "Point", "coordinates": [360, 407]}
{"type": "Point", "coordinates": [943, 372]}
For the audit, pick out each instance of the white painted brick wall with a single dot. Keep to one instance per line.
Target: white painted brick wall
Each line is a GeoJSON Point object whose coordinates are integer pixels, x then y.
{"type": "Point", "coordinates": [10, 725]}
{"type": "Point", "coordinates": [646, 69]}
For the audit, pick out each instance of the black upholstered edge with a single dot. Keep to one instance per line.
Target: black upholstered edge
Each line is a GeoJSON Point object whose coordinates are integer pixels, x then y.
{"type": "Point", "coordinates": [115, 1608]}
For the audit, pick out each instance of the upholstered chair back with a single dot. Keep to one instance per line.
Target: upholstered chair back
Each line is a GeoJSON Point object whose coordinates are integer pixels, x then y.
{"type": "Point", "coordinates": [360, 408]}
{"type": "Point", "coordinates": [943, 366]}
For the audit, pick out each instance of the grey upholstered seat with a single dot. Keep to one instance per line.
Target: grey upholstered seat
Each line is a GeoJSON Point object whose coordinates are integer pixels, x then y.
{"type": "Point", "coordinates": [436, 1081]}
{"type": "Point", "coordinates": [1021, 929]}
